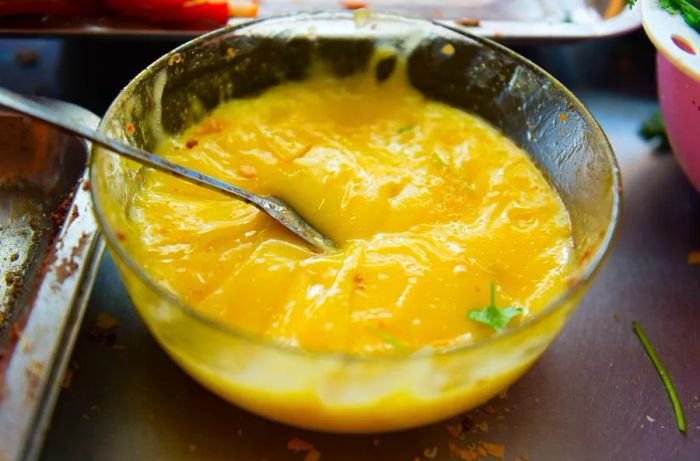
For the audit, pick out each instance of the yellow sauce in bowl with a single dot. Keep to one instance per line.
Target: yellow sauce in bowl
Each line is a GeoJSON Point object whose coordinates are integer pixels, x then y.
{"type": "Point", "coordinates": [431, 208]}
{"type": "Point", "coordinates": [429, 205]}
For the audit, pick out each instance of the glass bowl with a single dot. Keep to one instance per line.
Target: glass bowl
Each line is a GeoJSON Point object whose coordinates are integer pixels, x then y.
{"type": "Point", "coordinates": [336, 392]}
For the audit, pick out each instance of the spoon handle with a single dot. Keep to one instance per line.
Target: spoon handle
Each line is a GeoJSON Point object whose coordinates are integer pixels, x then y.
{"type": "Point", "coordinates": [277, 209]}
{"type": "Point", "coordinates": [30, 108]}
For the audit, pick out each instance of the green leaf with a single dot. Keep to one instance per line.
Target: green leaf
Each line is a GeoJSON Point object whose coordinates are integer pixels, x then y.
{"type": "Point", "coordinates": [653, 128]}
{"type": "Point", "coordinates": [493, 316]}
{"type": "Point", "coordinates": [690, 9]}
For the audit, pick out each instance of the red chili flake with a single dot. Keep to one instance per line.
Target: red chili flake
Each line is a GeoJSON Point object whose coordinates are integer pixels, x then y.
{"type": "Point", "coordinates": [120, 235]}
{"type": "Point", "coordinates": [86, 184]}
{"type": "Point", "coordinates": [469, 22]}
{"type": "Point", "coordinates": [359, 281]}
{"type": "Point", "coordinates": [489, 410]}
{"type": "Point", "coordinates": [563, 117]}
{"type": "Point", "coordinates": [130, 128]}
{"type": "Point", "coordinates": [191, 143]}
{"type": "Point", "coordinates": [297, 444]}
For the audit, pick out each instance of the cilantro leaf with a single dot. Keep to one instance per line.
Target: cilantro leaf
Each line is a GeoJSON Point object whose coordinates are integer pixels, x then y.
{"type": "Point", "coordinates": [689, 9]}
{"type": "Point", "coordinates": [493, 316]}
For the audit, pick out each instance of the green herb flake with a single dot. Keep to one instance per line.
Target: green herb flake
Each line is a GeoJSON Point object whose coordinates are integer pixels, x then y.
{"type": "Point", "coordinates": [493, 316]}
{"type": "Point", "coordinates": [392, 340]}
{"type": "Point", "coordinates": [653, 128]}
{"type": "Point", "coordinates": [440, 160]}
{"type": "Point", "coordinates": [661, 370]}
{"type": "Point", "coordinates": [689, 9]}
{"type": "Point", "coordinates": [405, 128]}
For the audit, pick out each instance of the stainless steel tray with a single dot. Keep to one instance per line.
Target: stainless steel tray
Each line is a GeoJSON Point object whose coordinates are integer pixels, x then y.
{"type": "Point", "coordinates": [505, 20]}
{"type": "Point", "coordinates": [48, 253]}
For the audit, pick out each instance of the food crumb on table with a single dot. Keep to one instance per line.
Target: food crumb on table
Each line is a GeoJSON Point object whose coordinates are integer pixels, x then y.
{"type": "Point", "coordinates": [297, 444]}
{"type": "Point", "coordinates": [67, 379]}
{"type": "Point", "coordinates": [430, 453]}
{"type": "Point", "coordinates": [694, 257]}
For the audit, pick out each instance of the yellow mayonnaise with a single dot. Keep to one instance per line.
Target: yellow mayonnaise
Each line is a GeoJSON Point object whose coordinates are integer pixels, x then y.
{"type": "Point", "coordinates": [429, 206]}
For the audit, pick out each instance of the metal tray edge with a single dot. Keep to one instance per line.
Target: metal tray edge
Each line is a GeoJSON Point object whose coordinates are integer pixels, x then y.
{"type": "Point", "coordinates": [34, 373]}
{"type": "Point", "coordinates": [506, 31]}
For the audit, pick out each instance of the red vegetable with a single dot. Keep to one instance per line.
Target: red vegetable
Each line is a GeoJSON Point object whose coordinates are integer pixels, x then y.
{"type": "Point", "coordinates": [183, 12]}
{"type": "Point", "coordinates": [52, 7]}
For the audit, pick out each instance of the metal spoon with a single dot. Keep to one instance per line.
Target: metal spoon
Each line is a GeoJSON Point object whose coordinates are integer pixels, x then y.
{"type": "Point", "coordinates": [276, 208]}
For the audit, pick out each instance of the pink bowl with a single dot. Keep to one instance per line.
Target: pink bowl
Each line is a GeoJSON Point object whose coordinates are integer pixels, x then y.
{"type": "Point", "coordinates": [679, 97]}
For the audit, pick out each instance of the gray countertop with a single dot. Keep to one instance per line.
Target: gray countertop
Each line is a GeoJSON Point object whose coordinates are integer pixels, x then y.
{"type": "Point", "coordinates": [594, 394]}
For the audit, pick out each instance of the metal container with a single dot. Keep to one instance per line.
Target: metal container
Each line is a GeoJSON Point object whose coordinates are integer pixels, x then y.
{"type": "Point", "coordinates": [49, 249]}
{"type": "Point", "coordinates": [506, 20]}
{"type": "Point", "coordinates": [476, 75]}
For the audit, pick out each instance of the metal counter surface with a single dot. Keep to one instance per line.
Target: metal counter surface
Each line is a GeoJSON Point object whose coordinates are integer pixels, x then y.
{"type": "Point", "coordinates": [594, 394]}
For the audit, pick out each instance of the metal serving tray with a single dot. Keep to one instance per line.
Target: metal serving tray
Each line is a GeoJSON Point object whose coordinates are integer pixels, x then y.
{"type": "Point", "coordinates": [506, 20]}
{"type": "Point", "coordinates": [49, 247]}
